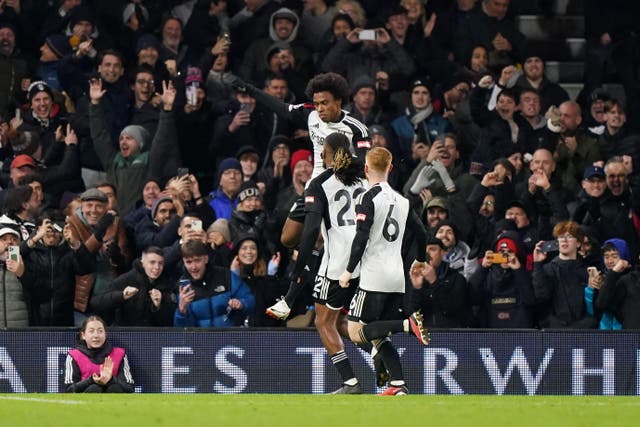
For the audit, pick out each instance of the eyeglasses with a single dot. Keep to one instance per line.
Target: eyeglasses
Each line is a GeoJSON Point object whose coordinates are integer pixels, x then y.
{"type": "Point", "coordinates": [566, 237]}
{"type": "Point", "coordinates": [145, 82]}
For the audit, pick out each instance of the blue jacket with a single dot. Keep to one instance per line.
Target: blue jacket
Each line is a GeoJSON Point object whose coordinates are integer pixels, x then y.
{"type": "Point", "coordinates": [209, 308]}
{"type": "Point", "coordinates": [222, 205]}
{"type": "Point", "coordinates": [435, 125]}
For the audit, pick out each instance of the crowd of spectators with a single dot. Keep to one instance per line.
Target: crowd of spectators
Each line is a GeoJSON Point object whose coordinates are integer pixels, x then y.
{"type": "Point", "coordinates": [141, 185]}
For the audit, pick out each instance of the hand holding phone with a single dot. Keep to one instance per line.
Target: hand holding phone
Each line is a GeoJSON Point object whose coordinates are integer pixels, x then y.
{"type": "Point", "coordinates": [196, 225]}
{"type": "Point", "coordinates": [14, 253]}
{"type": "Point", "coordinates": [549, 246]}
{"type": "Point", "coordinates": [367, 35]}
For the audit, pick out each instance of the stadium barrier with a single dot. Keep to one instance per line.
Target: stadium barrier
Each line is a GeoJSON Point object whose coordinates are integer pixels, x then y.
{"type": "Point", "coordinates": [294, 361]}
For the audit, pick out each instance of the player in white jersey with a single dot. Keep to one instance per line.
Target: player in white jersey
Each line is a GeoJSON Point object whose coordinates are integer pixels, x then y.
{"type": "Point", "coordinates": [382, 218]}
{"type": "Point", "coordinates": [328, 92]}
{"type": "Point", "coordinates": [324, 116]}
{"type": "Point", "coordinates": [330, 208]}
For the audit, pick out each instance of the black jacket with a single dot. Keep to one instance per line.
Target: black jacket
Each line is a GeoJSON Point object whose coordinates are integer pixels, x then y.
{"type": "Point", "coordinates": [138, 310]}
{"type": "Point", "coordinates": [620, 294]}
{"type": "Point", "coordinates": [560, 284]}
{"type": "Point", "coordinates": [445, 304]}
{"type": "Point", "coordinates": [505, 297]}
{"type": "Point", "coordinates": [50, 282]}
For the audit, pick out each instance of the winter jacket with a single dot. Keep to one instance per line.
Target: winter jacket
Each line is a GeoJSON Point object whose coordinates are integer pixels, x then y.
{"type": "Point", "coordinates": [138, 310]}
{"type": "Point", "coordinates": [560, 284]}
{"type": "Point", "coordinates": [210, 306]}
{"type": "Point", "coordinates": [129, 175]}
{"type": "Point", "coordinates": [83, 360]}
{"type": "Point", "coordinates": [445, 303]}
{"type": "Point", "coordinates": [13, 308]}
{"type": "Point", "coordinates": [505, 297]}
{"type": "Point", "coordinates": [50, 281]}
{"type": "Point", "coordinates": [620, 294]}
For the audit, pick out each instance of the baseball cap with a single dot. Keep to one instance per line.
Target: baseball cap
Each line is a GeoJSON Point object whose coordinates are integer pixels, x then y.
{"type": "Point", "coordinates": [22, 160]}
{"type": "Point", "coordinates": [592, 171]}
{"type": "Point", "coordinates": [438, 202]}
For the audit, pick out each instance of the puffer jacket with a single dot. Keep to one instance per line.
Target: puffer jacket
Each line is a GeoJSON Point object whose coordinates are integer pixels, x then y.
{"type": "Point", "coordinates": [49, 281]}
{"type": "Point", "coordinates": [13, 307]}
{"type": "Point", "coordinates": [209, 308]}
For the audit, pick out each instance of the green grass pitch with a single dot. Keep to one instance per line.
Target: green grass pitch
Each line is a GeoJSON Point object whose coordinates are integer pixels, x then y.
{"type": "Point", "coordinates": [25, 410]}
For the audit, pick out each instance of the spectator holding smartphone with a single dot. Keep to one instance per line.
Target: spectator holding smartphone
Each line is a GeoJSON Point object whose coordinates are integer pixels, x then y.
{"type": "Point", "coordinates": [561, 282]}
{"type": "Point", "coordinates": [94, 365]}
{"type": "Point", "coordinates": [226, 302]}
{"type": "Point", "coordinates": [617, 297]}
{"type": "Point", "coordinates": [502, 286]}
{"type": "Point", "coordinates": [50, 269]}
{"type": "Point", "coordinates": [13, 309]}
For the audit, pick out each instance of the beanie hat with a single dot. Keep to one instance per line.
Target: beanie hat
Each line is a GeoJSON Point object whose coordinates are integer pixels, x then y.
{"type": "Point", "coordinates": [81, 13]}
{"type": "Point", "coordinates": [507, 243]}
{"type": "Point", "coordinates": [248, 189]}
{"type": "Point", "coordinates": [621, 246]}
{"type": "Point", "coordinates": [26, 142]}
{"type": "Point", "coordinates": [59, 44]}
{"type": "Point", "coordinates": [448, 223]}
{"type": "Point", "coordinates": [156, 204]}
{"type": "Point", "coordinates": [9, 25]}
{"type": "Point", "coordinates": [244, 237]}
{"type": "Point", "coordinates": [361, 82]}
{"type": "Point", "coordinates": [229, 163]}
{"type": "Point", "coordinates": [37, 87]}
{"type": "Point", "coordinates": [138, 133]}
{"type": "Point", "coordinates": [299, 156]}
{"type": "Point", "coordinates": [146, 41]}
{"type": "Point", "coordinates": [221, 225]}
{"type": "Point", "coordinates": [248, 149]}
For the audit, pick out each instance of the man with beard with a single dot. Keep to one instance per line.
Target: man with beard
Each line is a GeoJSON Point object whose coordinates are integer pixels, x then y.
{"type": "Point", "coordinates": [534, 78]}
{"type": "Point", "coordinates": [160, 227]}
{"type": "Point", "coordinates": [13, 70]}
{"type": "Point", "coordinates": [574, 148]}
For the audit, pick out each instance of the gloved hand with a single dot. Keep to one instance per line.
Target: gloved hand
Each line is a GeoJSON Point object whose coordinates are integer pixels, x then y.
{"type": "Point", "coordinates": [239, 85]}
{"type": "Point", "coordinates": [103, 224]}
{"type": "Point", "coordinates": [115, 257]}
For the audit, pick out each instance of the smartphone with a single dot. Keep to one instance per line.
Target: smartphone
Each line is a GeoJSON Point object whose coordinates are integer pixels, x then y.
{"type": "Point", "coordinates": [58, 227]}
{"type": "Point", "coordinates": [592, 271]}
{"type": "Point", "coordinates": [14, 253]}
{"type": "Point", "coordinates": [191, 94]}
{"type": "Point", "coordinates": [367, 35]}
{"type": "Point", "coordinates": [196, 225]}
{"type": "Point", "coordinates": [183, 171]}
{"type": "Point", "coordinates": [244, 107]}
{"type": "Point", "coordinates": [549, 246]}
{"type": "Point", "coordinates": [184, 283]}
{"type": "Point", "coordinates": [227, 37]}
{"type": "Point", "coordinates": [498, 258]}
{"type": "Point", "coordinates": [18, 113]}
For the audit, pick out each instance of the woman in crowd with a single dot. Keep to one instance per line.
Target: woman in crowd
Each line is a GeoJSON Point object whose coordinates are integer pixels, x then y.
{"type": "Point", "coordinates": [260, 276]}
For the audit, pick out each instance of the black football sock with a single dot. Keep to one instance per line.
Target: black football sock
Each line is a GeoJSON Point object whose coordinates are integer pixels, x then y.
{"type": "Point", "coordinates": [392, 362]}
{"type": "Point", "coordinates": [341, 362]}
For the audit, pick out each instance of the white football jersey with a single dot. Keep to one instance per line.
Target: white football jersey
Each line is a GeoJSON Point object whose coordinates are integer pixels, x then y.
{"type": "Point", "coordinates": [384, 212]}
{"type": "Point", "coordinates": [336, 202]}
